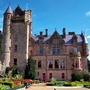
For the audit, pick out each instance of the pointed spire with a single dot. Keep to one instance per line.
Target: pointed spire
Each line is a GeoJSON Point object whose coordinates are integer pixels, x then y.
{"type": "Point", "coordinates": [9, 10]}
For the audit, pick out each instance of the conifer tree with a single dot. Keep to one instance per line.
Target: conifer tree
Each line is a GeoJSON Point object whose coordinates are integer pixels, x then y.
{"type": "Point", "coordinates": [30, 71]}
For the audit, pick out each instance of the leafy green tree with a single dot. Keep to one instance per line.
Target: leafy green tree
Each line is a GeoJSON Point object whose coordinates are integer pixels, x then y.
{"type": "Point", "coordinates": [30, 71]}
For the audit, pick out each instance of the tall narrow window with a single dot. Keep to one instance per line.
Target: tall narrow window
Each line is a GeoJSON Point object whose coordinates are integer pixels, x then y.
{"type": "Point", "coordinates": [53, 51]}
{"type": "Point", "coordinates": [58, 50]}
{"type": "Point", "coordinates": [41, 50]}
{"type": "Point", "coordinates": [15, 61]}
{"type": "Point", "coordinates": [38, 73]}
{"type": "Point", "coordinates": [56, 64]}
{"type": "Point", "coordinates": [62, 64]}
{"type": "Point", "coordinates": [50, 75]}
{"type": "Point", "coordinates": [15, 48]}
{"type": "Point", "coordinates": [39, 63]}
{"type": "Point", "coordinates": [75, 49]}
{"type": "Point", "coordinates": [31, 52]}
{"type": "Point", "coordinates": [63, 75]}
{"type": "Point", "coordinates": [77, 63]}
{"type": "Point", "coordinates": [50, 64]}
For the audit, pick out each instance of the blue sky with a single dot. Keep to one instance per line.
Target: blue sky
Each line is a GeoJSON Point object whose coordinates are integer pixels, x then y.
{"type": "Point", "coordinates": [74, 15]}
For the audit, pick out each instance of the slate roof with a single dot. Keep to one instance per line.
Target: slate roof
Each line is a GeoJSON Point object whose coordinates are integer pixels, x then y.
{"type": "Point", "coordinates": [18, 11]}
{"type": "Point", "coordinates": [68, 39]}
{"type": "Point", "coordinates": [9, 10]}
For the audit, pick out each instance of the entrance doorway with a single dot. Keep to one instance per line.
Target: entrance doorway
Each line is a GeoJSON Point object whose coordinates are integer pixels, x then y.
{"type": "Point", "coordinates": [43, 77]}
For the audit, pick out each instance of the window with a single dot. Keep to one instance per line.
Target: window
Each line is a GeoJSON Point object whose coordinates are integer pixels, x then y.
{"type": "Point", "coordinates": [75, 49]}
{"type": "Point", "coordinates": [58, 50]}
{"type": "Point", "coordinates": [56, 64]}
{"type": "Point", "coordinates": [77, 64]}
{"type": "Point", "coordinates": [15, 48]}
{"type": "Point", "coordinates": [39, 63]}
{"type": "Point", "coordinates": [50, 64]}
{"type": "Point", "coordinates": [41, 50]}
{"type": "Point", "coordinates": [38, 73]}
{"type": "Point", "coordinates": [62, 64]}
{"type": "Point", "coordinates": [50, 75]}
{"type": "Point", "coordinates": [15, 61]}
{"type": "Point", "coordinates": [30, 51]}
{"type": "Point", "coordinates": [63, 75]}
{"type": "Point", "coordinates": [53, 51]}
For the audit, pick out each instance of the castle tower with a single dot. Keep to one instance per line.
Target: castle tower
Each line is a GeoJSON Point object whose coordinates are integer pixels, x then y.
{"type": "Point", "coordinates": [20, 33]}
{"type": "Point", "coordinates": [16, 34]}
{"type": "Point", "coordinates": [6, 43]}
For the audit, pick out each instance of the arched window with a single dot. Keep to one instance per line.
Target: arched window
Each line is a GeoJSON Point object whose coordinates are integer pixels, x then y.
{"type": "Point", "coordinates": [62, 64]}
{"type": "Point", "coordinates": [50, 64]}
{"type": "Point", "coordinates": [56, 64]}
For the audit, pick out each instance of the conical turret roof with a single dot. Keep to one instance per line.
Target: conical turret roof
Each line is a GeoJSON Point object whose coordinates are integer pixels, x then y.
{"type": "Point", "coordinates": [9, 10]}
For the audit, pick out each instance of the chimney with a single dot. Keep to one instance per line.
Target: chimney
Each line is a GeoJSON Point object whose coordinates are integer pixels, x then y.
{"type": "Point", "coordinates": [46, 32]}
{"type": "Point", "coordinates": [41, 33]}
{"type": "Point", "coordinates": [64, 32]}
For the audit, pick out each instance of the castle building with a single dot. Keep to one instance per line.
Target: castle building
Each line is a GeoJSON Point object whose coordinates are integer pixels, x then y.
{"type": "Point", "coordinates": [56, 55]}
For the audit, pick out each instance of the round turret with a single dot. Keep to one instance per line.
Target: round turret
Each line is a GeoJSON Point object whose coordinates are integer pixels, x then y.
{"type": "Point", "coordinates": [6, 44]}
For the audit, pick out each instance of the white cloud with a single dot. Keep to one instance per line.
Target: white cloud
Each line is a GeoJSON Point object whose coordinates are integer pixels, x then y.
{"type": "Point", "coordinates": [88, 13]}
{"type": "Point", "coordinates": [88, 36]}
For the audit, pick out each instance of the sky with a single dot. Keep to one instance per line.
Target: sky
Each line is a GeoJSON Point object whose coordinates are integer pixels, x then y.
{"type": "Point", "coordinates": [74, 15]}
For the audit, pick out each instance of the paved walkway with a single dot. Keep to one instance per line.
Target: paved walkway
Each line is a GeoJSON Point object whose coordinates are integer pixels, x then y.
{"type": "Point", "coordinates": [42, 86]}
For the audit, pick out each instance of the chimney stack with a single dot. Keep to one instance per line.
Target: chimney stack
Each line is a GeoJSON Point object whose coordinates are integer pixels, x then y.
{"type": "Point", "coordinates": [46, 32]}
{"type": "Point", "coordinates": [64, 32]}
{"type": "Point", "coordinates": [41, 33]}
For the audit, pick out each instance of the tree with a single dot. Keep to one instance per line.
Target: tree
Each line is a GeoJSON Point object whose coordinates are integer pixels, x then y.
{"type": "Point", "coordinates": [88, 63]}
{"type": "Point", "coordinates": [30, 71]}
{"type": "Point", "coordinates": [14, 70]}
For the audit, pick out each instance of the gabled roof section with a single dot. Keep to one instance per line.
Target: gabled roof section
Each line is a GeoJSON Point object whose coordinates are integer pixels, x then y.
{"type": "Point", "coordinates": [18, 11]}
{"type": "Point", "coordinates": [9, 10]}
{"type": "Point", "coordinates": [55, 35]}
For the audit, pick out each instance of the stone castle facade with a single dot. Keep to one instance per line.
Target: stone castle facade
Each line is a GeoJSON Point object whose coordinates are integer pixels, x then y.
{"type": "Point", "coordinates": [56, 55]}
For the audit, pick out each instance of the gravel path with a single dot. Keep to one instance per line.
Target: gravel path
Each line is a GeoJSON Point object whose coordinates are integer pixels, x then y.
{"type": "Point", "coordinates": [42, 86]}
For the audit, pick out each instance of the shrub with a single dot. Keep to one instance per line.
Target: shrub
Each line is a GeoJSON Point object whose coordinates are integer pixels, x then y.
{"type": "Point", "coordinates": [60, 83]}
{"type": "Point", "coordinates": [49, 83]}
{"type": "Point", "coordinates": [67, 84]}
{"type": "Point", "coordinates": [53, 80]}
{"type": "Point", "coordinates": [4, 87]}
{"type": "Point", "coordinates": [77, 76]}
{"type": "Point", "coordinates": [73, 83]}
{"type": "Point", "coordinates": [37, 81]}
{"type": "Point", "coordinates": [86, 77]}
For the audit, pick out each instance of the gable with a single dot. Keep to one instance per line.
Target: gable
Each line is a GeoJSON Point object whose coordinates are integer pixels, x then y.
{"type": "Point", "coordinates": [56, 39]}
